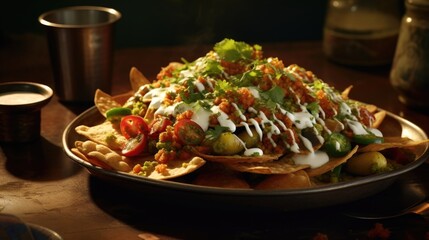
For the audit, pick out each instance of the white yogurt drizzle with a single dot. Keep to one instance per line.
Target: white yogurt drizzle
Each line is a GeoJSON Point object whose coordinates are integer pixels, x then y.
{"type": "Point", "coordinates": [314, 159]}
{"type": "Point", "coordinates": [240, 114]}
{"type": "Point", "coordinates": [223, 119]}
{"type": "Point", "coordinates": [251, 151]}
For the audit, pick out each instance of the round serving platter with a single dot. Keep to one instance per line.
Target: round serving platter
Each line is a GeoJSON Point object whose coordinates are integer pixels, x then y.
{"type": "Point", "coordinates": [277, 200]}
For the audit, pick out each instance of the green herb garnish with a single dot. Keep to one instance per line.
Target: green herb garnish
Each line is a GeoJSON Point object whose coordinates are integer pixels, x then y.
{"type": "Point", "coordinates": [232, 51]}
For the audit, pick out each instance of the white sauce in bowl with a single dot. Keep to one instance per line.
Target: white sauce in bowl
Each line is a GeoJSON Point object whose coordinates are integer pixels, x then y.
{"type": "Point", "coordinates": [19, 98]}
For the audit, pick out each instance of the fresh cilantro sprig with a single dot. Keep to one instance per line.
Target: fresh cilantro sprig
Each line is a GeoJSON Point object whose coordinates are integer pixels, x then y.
{"type": "Point", "coordinates": [273, 97]}
{"type": "Point", "coordinates": [205, 104]}
{"type": "Point", "coordinates": [248, 78]}
{"type": "Point", "coordinates": [222, 86]}
{"type": "Point", "coordinates": [212, 68]}
{"type": "Point", "coordinates": [313, 108]}
{"type": "Point", "coordinates": [275, 94]}
{"type": "Point", "coordinates": [232, 51]}
{"type": "Point", "coordinates": [214, 133]}
{"type": "Point", "coordinates": [190, 95]}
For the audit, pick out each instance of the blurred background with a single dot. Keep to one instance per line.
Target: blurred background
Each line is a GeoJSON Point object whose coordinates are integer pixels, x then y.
{"type": "Point", "coordinates": [179, 22]}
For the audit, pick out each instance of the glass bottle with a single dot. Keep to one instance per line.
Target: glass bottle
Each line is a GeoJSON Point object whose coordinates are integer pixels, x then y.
{"type": "Point", "coordinates": [410, 69]}
{"type": "Point", "coordinates": [361, 32]}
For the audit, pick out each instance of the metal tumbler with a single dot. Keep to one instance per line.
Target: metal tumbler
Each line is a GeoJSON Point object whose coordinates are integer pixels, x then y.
{"type": "Point", "coordinates": [80, 40]}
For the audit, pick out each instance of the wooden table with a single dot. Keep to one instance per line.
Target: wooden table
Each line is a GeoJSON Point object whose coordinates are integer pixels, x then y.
{"type": "Point", "coordinates": [41, 185]}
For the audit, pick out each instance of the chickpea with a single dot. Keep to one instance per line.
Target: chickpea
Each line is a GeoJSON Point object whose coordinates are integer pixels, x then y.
{"type": "Point", "coordinates": [227, 144]}
{"type": "Point", "coordinates": [250, 141]}
{"type": "Point", "coordinates": [366, 163]}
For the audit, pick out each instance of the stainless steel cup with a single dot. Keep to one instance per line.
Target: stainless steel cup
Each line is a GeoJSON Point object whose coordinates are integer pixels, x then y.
{"type": "Point", "coordinates": [80, 42]}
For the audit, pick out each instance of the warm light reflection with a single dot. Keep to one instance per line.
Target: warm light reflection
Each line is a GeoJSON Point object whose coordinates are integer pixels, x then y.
{"type": "Point", "coordinates": [407, 131]}
{"type": "Point", "coordinates": [408, 19]}
{"type": "Point", "coordinates": [416, 189]}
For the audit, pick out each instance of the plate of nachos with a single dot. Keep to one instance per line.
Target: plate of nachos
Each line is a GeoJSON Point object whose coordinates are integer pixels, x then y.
{"type": "Point", "coordinates": [236, 127]}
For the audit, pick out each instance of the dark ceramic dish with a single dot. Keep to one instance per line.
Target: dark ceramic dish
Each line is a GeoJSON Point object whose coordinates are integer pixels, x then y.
{"type": "Point", "coordinates": [266, 200]}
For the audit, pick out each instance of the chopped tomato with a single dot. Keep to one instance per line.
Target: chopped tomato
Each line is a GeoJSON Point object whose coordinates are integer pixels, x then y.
{"type": "Point", "coordinates": [135, 145]}
{"type": "Point", "coordinates": [189, 132]}
{"type": "Point", "coordinates": [157, 126]}
{"type": "Point", "coordinates": [133, 125]}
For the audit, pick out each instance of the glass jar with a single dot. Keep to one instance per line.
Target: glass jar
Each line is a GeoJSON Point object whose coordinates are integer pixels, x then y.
{"type": "Point", "coordinates": [361, 32]}
{"type": "Point", "coordinates": [410, 70]}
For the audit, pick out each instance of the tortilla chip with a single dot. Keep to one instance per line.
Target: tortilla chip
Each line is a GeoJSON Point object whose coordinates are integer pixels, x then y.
{"type": "Point", "coordinates": [379, 117]}
{"type": "Point", "coordinates": [104, 102]}
{"type": "Point", "coordinates": [173, 169]}
{"type": "Point", "coordinates": [236, 158]}
{"type": "Point", "coordinates": [333, 163]}
{"type": "Point", "coordinates": [298, 179]}
{"type": "Point", "coordinates": [104, 133]}
{"type": "Point", "coordinates": [97, 153]}
{"type": "Point", "coordinates": [346, 92]}
{"type": "Point", "coordinates": [122, 98]}
{"type": "Point", "coordinates": [101, 156]}
{"type": "Point", "coordinates": [371, 108]}
{"type": "Point", "coordinates": [137, 79]}
{"type": "Point", "coordinates": [222, 177]}
{"type": "Point", "coordinates": [281, 166]}
{"type": "Point", "coordinates": [93, 161]}
{"type": "Point", "coordinates": [392, 142]}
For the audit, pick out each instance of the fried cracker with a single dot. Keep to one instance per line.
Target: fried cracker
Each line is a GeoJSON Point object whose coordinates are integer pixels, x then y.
{"type": "Point", "coordinates": [172, 169]}
{"type": "Point", "coordinates": [104, 102]}
{"type": "Point", "coordinates": [346, 92]}
{"type": "Point", "coordinates": [96, 153]}
{"type": "Point", "coordinates": [236, 158]}
{"type": "Point", "coordinates": [122, 98]}
{"type": "Point", "coordinates": [282, 166]}
{"type": "Point", "coordinates": [104, 133]}
{"type": "Point", "coordinates": [137, 79]}
{"type": "Point", "coordinates": [371, 108]}
{"type": "Point", "coordinates": [298, 179]}
{"type": "Point", "coordinates": [93, 161]}
{"type": "Point", "coordinates": [379, 117]}
{"type": "Point", "coordinates": [220, 177]}
{"type": "Point", "coordinates": [392, 142]}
